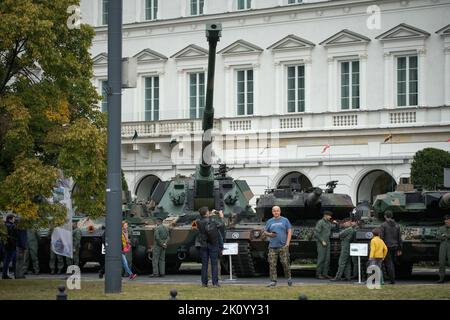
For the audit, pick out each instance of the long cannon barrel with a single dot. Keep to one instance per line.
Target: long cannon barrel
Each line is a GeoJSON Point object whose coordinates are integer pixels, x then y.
{"type": "Point", "coordinates": [213, 33]}
{"type": "Point", "coordinates": [444, 202]}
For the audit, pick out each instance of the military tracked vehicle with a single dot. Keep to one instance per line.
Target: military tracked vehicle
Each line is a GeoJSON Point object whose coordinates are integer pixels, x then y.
{"type": "Point", "coordinates": [419, 214]}
{"type": "Point", "coordinates": [178, 200]}
{"type": "Point", "coordinates": [303, 208]}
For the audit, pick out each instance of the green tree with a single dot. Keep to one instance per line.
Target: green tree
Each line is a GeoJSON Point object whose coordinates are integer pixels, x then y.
{"type": "Point", "coordinates": [427, 168]}
{"type": "Point", "coordinates": [49, 120]}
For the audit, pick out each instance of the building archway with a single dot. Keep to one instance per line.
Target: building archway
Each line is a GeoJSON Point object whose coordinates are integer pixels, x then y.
{"type": "Point", "coordinates": [296, 178]}
{"type": "Point", "coordinates": [374, 183]}
{"type": "Point", "coordinates": [146, 186]}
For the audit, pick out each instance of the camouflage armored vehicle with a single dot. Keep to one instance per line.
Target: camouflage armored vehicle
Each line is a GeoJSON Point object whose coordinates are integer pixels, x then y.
{"type": "Point", "coordinates": [178, 200]}
{"type": "Point", "coordinates": [303, 208]}
{"type": "Point", "coordinates": [419, 214]}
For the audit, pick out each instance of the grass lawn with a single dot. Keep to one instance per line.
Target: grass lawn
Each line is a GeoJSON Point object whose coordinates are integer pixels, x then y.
{"type": "Point", "coordinates": [93, 290]}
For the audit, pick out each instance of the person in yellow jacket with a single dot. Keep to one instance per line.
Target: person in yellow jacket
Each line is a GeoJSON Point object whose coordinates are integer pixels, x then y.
{"type": "Point", "coordinates": [378, 251]}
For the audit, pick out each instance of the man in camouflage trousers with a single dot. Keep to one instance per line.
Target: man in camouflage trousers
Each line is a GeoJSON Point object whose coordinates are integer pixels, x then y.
{"type": "Point", "coordinates": [161, 238]}
{"type": "Point", "coordinates": [279, 230]}
{"type": "Point", "coordinates": [444, 248]}
{"type": "Point", "coordinates": [76, 243]}
{"type": "Point", "coordinates": [33, 245]}
{"type": "Point", "coordinates": [322, 233]}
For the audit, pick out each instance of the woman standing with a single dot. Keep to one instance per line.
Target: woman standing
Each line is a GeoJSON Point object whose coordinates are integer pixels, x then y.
{"type": "Point", "coordinates": [126, 247]}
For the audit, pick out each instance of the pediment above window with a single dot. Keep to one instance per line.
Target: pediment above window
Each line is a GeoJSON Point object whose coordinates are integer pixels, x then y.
{"type": "Point", "coordinates": [291, 42]}
{"type": "Point", "coordinates": [149, 56]}
{"type": "Point", "coordinates": [403, 31]}
{"type": "Point", "coordinates": [345, 37]}
{"type": "Point", "coordinates": [100, 59]}
{"type": "Point", "coordinates": [190, 52]}
{"type": "Point", "coordinates": [445, 31]}
{"type": "Point", "coordinates": [241, 47]}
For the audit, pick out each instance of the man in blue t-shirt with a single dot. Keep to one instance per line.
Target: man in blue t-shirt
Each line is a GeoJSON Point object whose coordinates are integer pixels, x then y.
{"type": "Point", "coordinates": [279, 230]}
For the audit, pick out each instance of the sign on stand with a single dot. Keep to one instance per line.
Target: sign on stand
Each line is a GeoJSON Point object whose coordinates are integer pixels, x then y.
{"type": "Point", "coordinates": [359, 250]}
{"type": "Point", "coordinates": [230, 249]}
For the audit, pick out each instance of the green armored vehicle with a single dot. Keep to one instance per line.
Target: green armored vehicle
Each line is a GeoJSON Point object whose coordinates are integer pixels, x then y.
{"type": "Point", "coordinates": [419, 214]}
{"type": "Point", "coordinates": [303, 208]}
{"type": "Point", "coordinates": [178, 200]}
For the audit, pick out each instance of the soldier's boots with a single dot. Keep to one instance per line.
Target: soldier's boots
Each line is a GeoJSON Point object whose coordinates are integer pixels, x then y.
{"type": "Point", "coordinates": [272, 284]}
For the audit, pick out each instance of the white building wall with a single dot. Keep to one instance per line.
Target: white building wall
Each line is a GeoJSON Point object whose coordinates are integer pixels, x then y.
{"type": "Point", "coordinates": [354, 150]}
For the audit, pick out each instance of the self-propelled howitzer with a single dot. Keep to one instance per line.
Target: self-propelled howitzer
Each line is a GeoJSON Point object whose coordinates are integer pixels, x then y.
{"type": "Point", "coordinates": [178, 199]}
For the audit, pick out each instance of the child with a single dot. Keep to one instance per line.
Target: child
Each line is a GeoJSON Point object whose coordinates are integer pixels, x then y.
{"type": "Point", "coordinates": [378, 251]}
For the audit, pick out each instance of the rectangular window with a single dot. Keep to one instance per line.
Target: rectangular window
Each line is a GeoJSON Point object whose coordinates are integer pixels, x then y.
{"type": "Point", "coordinates": [151, 9]}
{"type": "Point", "coordinates": [407, 81]}
{"type": "Point", "coordinates": [244, 92]}
{"type": "Point", "coordinates": [296, 88]}
{"type": "Point", "coordinates": [294, 1]}
{"type": "Point", "coordinates": [197, 7]}
{"type": "Point", "coordinates": [104, 96]}
{"type": "Point", "coordinates": [349, 85]}
{"type": "Point", "coordinates": [151, 98]}
{"type": "Point", "coordinates": [244, 4]}
{"type": "Point", "coordinates": [196, 95]}
{"type": "Point", "coordinates": [104, 12]}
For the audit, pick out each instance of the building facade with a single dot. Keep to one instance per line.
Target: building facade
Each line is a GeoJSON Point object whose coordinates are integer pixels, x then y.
{"type": "Point", "coordinates": [305, 91]}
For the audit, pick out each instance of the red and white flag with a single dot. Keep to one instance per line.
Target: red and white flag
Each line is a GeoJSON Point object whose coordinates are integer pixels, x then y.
{"type": "Point", "coordinates": [325, 148]}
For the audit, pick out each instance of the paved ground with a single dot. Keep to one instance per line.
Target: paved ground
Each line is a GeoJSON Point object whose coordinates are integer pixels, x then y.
{"type": "Point", "coordinates": [190, 274]}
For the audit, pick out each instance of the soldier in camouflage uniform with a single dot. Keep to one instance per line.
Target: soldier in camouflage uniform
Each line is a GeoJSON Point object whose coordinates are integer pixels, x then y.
{"type": "Point", "coordinates": [161, 238]}
{"type": "Point", "coordinates": [322, 233]}
{"type": "Point", "coordinates": [279, 230]}
{"type": "Point", "coordinates": [33, 245]}
{"type": "Point", "coordinates": [444, 248]}
{"type": "Point", "coordinates": [76, 243]}
{"type": "Point", "coordinates": [346, 237]}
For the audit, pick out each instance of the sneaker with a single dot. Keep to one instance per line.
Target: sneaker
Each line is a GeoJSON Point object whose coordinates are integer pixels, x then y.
{"type": "Point", "coordinates": [272, 284]}
{"type": "Point", "coordinates": [290, 282]}
{"type": "Point", "coordinates": [133, 276]}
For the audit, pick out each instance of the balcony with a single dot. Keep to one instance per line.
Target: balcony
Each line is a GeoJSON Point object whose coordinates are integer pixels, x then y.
{"type": "Point", "coordinates": [404, 117]}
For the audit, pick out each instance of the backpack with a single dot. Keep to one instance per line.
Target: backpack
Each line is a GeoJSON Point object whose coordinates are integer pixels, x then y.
{"type": "Point", "coordinates": [212, 232]}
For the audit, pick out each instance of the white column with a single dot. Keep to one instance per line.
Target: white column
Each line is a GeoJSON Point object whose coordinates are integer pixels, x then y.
{"type": "Point", "coordinates": [279, 101]}
{"type": "Point", "coordinates": [388, 81]}
{"type": "Point", "coordinates": [184, 111]}
{"type": "Point", "coordinates": [422, 79]}
{"type": "Point", "coordinates": [205, 6]}
{"type": "Point", "coordinates": [162, 112]}
{"type": "Point", "coordinates": [447, 76]}
{"type": "Point", "coordinates": [229, 110]}
{"type": "Point", "coordinates": [139, 11]}
{"type": "Point", "coordinates": [331, 99]}
{"type": "Point", "coordinates": [363, 81]}
{"type": "Point", "coordinates": [253, 4]}
{"type": "Point", "coordinates": [256, 84]}
{"type": "Point", "coordinates": [308, 85]}
{"type": "Point", "coordinates": [183, 7]}
{"type": "Point", "coordinates": [230, 5]}
{"type": "Point", "coordinates": [159, 13]}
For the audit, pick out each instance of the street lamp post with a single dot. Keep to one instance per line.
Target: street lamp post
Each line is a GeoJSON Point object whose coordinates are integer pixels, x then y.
{"type": "Point", "coordinates": [113, 265]}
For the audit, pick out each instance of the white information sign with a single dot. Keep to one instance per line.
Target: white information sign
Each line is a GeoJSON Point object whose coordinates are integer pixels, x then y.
{"type": "Point", "coordinates": [230, 249]}
{"type": "Point", "coordinates": [359, 249]}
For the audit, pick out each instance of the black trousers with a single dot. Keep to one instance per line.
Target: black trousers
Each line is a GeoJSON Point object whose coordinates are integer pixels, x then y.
{"type": "Point", "coordinates": [390, 262]}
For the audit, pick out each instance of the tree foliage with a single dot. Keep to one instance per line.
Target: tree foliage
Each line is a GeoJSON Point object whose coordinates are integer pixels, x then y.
{"type": "Point", "coordinates": [49, 121]}
{"type": "Point", "coordinates": [427, 168]}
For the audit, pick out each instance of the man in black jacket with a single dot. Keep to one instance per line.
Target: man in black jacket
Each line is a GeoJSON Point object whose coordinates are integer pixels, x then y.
{"type": "Point", "coordinates": [10, 246]}
{"type": "Point", "coordinates": [391, 235]}
{"type": "Point", "coordinates": [209, 241]}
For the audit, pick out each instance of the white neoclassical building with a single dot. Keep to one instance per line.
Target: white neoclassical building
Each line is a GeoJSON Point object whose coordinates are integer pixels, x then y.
{"type": "Point", "coordinates": [307, 91]}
